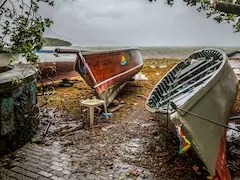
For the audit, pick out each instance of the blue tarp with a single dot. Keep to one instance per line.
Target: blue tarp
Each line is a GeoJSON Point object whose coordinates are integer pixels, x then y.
{"type": "Point", "coordinates": [44, 51]}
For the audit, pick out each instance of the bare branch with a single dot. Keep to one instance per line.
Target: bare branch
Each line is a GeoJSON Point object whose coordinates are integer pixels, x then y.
{"type": "Point", "coordinates": [4, 2]}
{"type": "Point", "coordinates": [14, 9]}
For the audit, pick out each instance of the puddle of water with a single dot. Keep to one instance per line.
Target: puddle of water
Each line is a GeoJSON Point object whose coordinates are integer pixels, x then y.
{"type": "Point", "coordinates": [131, 149]}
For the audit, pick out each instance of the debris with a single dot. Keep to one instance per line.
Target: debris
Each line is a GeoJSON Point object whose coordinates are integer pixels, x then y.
{"type": "Point", "coordinates": [110, 163]}
{"type": "Point", "coordinates": [96, 126]}
{"type": "Point", "coordinates": [67, 143]}
{"type": "Point", "coordinates": [157, 74]}
{"type": "Point", "coordinates": [61, 129]}
{"type": "Point", "coordinates": [134, 172]}
{"type": "Point", "coordinates": [34, 140]}
{"type": "Point", "coordinates": [133, 85]}
{"type": "Point", "coordinates": [106, 128]}
{"type": "Point", "coordinates": [63, 84]}
{"type": "Point", "coordinates": [234, 117]}
{"type": "Point", "coordinates": [47, 128]}
{"type": "Point", "coordinates": [231, 134]}
{"type": "Point", "coordinates": [80, 125]}
{"type": "Point", "coordinates": [140, 76]}
{"type": "Point", "coordinates": [46, 93]}
{"type": "Point", "coordinates": [115, 102]}
{"type": "Point", "coordinates": [76, 132]}
{"type": "Point", "coordinates": [140, 95]}
{"type": "Point", "coordinates": [75, 164]}
{"type": "Point", "coordinates": [108, 114]}
{"type": "Point", "coordinates": [164, 66]}
{"type": "Point", "coordinates": [178, 168]}
{"type": "Point", "coordinates": [136, 140]}
{"type": "Point", "coordinates": [195, 167]}
{"type": "Point", "coordinates": [116, 108]}
{"type": "Point", "coordinates": [209, 177]}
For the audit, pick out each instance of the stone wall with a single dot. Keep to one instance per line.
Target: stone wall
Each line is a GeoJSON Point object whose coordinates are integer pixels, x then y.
{"type": "Point", "coordinates": [18, 115]}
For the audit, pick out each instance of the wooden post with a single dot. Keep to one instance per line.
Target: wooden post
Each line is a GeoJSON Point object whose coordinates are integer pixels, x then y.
{"type": "Point", "coordinates": [227, 7]}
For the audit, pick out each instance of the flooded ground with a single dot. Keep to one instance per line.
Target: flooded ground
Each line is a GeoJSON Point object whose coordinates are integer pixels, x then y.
{"type": "Point", "coordinates": [132, 144]}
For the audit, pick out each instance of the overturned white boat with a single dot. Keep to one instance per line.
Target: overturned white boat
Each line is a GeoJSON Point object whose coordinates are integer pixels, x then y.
{"type": "Point", "coordinates": [201, 87]}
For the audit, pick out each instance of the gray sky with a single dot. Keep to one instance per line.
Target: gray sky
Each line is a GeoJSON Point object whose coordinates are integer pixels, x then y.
{"type": "Point", "coordinates": [136, 23]}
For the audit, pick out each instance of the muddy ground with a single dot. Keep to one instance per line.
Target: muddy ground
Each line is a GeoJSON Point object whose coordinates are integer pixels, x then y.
{"type": "Point", "coordinates": [132, 144]}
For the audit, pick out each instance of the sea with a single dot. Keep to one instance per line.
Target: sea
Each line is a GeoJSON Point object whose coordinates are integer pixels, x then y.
{"type": "Point", "coordinates": [154, 52]}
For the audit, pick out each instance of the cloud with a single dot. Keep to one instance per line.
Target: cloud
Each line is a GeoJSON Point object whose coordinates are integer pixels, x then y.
{"type": "Point", "coordinates": [135, 22]}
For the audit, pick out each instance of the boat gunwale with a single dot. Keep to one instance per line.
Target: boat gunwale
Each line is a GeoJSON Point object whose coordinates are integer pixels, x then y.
{"type": "Point", "coordinates": [120, 74]}
{"type": "Point", "coordinates": [108, 51]}
{"type": "Point", "coordinates": [87, 53]}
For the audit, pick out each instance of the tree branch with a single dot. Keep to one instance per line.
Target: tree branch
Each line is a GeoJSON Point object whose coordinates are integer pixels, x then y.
{"type": "Point", "coordinates": [227, 7]}
{"type": "Point", "coordinates": [14, 9]}
{"type": "Point", "coordinates": [3, 4]}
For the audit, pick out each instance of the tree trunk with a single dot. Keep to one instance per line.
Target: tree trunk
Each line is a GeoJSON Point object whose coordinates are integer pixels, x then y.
{"type": "Point", "coordinates": [227, 7]}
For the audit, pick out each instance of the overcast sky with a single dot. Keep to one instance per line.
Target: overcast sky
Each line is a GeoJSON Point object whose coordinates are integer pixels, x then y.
{"type": "Point", "coordinates": [135, 23]}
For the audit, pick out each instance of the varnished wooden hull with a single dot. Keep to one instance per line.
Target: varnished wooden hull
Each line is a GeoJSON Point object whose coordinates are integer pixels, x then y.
{"type": "Point", "coordinates": [107, 71]}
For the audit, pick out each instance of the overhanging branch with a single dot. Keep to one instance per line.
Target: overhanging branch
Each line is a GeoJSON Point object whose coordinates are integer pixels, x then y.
{"type": "Point", "coordinates": [227, 7]}
{"type": "Point", "coordinates": [4, 2]}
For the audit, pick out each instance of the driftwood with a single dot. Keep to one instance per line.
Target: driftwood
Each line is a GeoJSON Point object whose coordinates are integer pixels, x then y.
{"type": "Point", "coordinates": [227, 7]}
{"type": "Point", "coordinates": [140, 95]}
{"type": "Point", "coordinates": [47, 128]}
{"type": "Point", "coordinates": [115, 108]}
{"type": "Point", "coordinates": [77, 127]}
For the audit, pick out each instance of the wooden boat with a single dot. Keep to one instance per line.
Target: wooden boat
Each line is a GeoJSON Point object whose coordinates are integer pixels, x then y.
{"type": "Point", "coordinates": [53, 67]}
{"type": "Point", "coordinates": [107, 71]}
{"type": "Point", "coordinates": [236, 69]}
{"type": "Point", "coordinates": [235, 63]}
{"type": "Point", "coordinates": [205, 85]}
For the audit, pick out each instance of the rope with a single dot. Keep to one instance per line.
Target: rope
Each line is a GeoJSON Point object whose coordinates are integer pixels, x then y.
{"type": "Point", "coordinates": [174, 106]}
{"type": "Point", "coordinates": [184, 143]}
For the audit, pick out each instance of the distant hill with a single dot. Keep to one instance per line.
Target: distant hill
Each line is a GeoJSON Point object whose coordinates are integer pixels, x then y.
{"type": "Point", "coordinates": [56, 42]}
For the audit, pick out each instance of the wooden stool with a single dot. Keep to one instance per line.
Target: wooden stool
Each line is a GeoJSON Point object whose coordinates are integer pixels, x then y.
{"type": "Point", "coordinates": [91, 104]}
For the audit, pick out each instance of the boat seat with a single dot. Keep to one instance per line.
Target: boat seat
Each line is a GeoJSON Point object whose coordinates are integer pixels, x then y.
{"type": "Point", "coordinates": [190, 67]}
{"type": "Point", "coordinates": [91, 104]}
